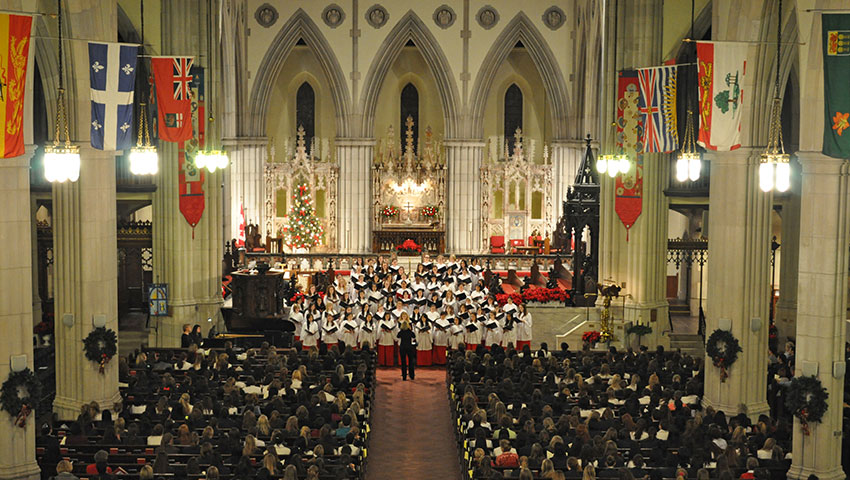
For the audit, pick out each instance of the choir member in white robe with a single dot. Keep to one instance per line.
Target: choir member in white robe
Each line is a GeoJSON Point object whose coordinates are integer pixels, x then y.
{"type": "Point", "coordinates": [310, 332]}
{"type": "Point", "coordinates": [456, 334]}
{"type": "Point", "coordinates": [349, 329]}
{"type": "Point", "coordinates": [387, 327]}
{"type": "Point", "coordinates": [424, 339]}
{"type": "Point", "coordinates": [441, 338]}
{"type": "Point", "coordinates": [297, 319]}
{"type": "Point", "coordinates": [473, 336]}
{"type": "Point", "coordinates": [493, 330]}
{"type": "Point", "coordinates": [524, 324]}
{"type": "Point", "coordinates": [509, 330]}
{"type": "Point", "coordinates": [368, 332]}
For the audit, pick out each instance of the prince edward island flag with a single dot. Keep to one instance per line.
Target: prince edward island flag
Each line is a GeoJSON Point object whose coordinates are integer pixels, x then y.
{"type": "Point", "coordinates": [112, 70]}
{"type": "Point", "coordinates": [836, 80]}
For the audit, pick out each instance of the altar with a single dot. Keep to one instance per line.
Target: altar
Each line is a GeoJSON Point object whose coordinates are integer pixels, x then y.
{"type": "Point", "coordinates": [409, 193]}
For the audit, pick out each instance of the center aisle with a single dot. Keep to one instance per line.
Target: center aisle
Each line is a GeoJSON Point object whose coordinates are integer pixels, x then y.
{"type": "Point", "coordinates": [412, 432]}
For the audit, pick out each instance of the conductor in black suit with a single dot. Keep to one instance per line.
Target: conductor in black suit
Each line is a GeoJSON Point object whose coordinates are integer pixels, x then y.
{"type": "Point", "coordinates": [406, 348]}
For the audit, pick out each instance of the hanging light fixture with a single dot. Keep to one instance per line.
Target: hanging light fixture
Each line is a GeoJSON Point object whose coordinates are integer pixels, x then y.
{"type": "Point", "coordinates": [613, 165]}
{"type": "Point", "coordinates": [211, 159]}
{"type": "Point", "coordinates": [689, 163]}
{"type": "Point", "coordinates": [775, 169]}
{"type": "Point", "coordinates": [61, 161]}
{"type": "Point", "coordinates": [143, 157]}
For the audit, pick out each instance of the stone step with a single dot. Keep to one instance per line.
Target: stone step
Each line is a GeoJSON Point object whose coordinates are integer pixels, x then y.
{"type": "Point", "coordinates": [679, 309]}
{"type": "Point", "coordinates": [688, 343]}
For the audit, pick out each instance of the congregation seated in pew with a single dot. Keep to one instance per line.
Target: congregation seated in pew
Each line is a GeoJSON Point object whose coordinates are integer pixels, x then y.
{"type": "Point", "coordinates": [231, 414]}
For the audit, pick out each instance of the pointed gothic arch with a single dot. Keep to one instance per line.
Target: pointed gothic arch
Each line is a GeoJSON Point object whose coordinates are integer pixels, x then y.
{"type": "Point", "coordinates": [521, 29]}
{"type": "Point", "coordinates": [299, 26]}
{"type": "Point", "coordinates": [410, 27]}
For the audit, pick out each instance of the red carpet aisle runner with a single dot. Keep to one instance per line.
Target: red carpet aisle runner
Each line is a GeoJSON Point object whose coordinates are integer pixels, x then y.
{"type": "Point", "coordinates": [412, 436]}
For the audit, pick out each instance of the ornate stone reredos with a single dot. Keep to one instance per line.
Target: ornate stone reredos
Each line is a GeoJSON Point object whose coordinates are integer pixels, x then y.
{"type": "Point", "coordinates": [409, 161]}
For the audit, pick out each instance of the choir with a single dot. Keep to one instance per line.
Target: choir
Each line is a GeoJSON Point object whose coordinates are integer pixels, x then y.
{"type": "Point", "coordinates": [446, 301]}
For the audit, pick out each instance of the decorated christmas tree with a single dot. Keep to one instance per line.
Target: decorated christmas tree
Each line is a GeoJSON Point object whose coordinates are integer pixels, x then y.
{"type": "Point", "coordinates": [304, 230]}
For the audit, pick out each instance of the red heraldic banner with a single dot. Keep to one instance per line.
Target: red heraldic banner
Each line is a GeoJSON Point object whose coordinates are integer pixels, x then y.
{"type": "Point", "coordinates": [172, 77]}
{"type": "Point", "coordinates": [14, 51]}
{"type": "Point", "coordinates": [628, 199]}
{"type": "Point", "coordinates": [190, 177]}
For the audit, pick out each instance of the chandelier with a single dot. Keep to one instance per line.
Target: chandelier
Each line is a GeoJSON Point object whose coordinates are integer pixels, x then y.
{"type": "Point", "coordinates": [774, 168]}
{"type": "Point", "coordinates": [689, 164]}
{"type": "Point", "coordinates": [143, 157]}
{"type": "Point", "coordinates": [61, 161]}
{"type": "Point", "coordinates": [613, 165]}
{"type": "Point", "coordinates": [212, 159]}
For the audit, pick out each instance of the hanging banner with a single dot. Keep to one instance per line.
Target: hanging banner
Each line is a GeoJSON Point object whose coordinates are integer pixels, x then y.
{"type": "Point", "coordinates": [722, 67]}
{"type": "Point", "coordinates": [191, 178]}
{"type": "Point", "coordinates": [836, 72]}
{"type": "Point", "coordinates": [14, 52]}
{"type": "Point", "coordinates": [172, 76]}
{"type": "Point", "coordinates": [628, 196]}
{"type": "Point", "coordinates": [112, 79]}
{"type": "Point", "coordinates": [658, 109]}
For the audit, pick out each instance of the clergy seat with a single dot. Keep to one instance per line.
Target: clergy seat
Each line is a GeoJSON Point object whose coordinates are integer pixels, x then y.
{"type": "Point", "coordinates": [497, 244]}
{"type": "Point", "coordinates": [516, 242]}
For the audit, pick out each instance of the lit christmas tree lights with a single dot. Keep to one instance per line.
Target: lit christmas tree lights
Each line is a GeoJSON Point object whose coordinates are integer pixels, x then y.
{"type": "Point", "coordinates": [304, 229]}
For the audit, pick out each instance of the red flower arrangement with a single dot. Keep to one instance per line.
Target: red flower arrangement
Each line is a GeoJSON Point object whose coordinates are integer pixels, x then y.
{"type": "Point", "coordinates": [409, 246]}
{"type": "Point", "coordinates": [429, 211]}
{"type": "Point", "coordinates": [591, 336]}
{"type": "Point", "coordinates": [502, 298]}
{"type": "Point", "coordinates": [389, 211]}
{"type": "Point", "coordinates": [301, 294]}
{"type": "Point", "coordinates": [543, 295]}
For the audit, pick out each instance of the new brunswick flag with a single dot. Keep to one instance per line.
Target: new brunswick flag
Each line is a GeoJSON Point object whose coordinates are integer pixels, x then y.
{"type": "Point", "coordinates": [14, 51]}
{"type": "Point", "coordinates": [836, 77]}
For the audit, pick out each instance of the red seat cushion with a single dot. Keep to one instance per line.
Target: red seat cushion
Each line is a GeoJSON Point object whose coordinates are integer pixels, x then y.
{"type": "Point", "coordinates": [497, 244]}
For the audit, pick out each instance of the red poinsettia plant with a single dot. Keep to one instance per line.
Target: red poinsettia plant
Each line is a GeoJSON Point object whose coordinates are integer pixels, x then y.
{"type": "Point", "coordinates": [409, 246]}
{"type": "Point", "coordinates": [544, 295]}
{"type": "Point", "coordinates": [299, 295]}
{"type": "Point", "coordinates": [502, 298]}
{"type": "Point", "coordinates": [591, 336]}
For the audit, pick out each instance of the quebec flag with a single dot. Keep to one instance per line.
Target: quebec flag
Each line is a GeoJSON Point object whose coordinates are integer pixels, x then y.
{"type": "Point", "coordinates": [112, 70]}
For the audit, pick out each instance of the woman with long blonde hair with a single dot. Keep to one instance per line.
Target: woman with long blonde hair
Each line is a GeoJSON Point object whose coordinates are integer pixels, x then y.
{"type": "Point", "coordinates": [406, 348]}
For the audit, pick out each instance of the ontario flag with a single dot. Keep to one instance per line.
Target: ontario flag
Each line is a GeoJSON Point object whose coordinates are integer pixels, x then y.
{"type": "Point", "coordinates": [722, 67]}
{"type": "Point", "coordinates": [14, 52]}
{"type": "Point", "coordinates": [836, 72]}
{"type": "Point", "coordinates": [172, 78]}
{"type": "Point", "coordinates": [657, 107]}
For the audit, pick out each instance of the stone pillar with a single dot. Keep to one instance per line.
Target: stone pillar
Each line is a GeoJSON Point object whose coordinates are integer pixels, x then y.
{"type": "Point", "coordinates": [463, 196]}
{"type": "Point", "coordinates": [86, 280]}
{"type": "Point", "coordinates": [188, 261]}
{"type": "Point", "coordinates": [739, 279]}
{"type": "Point", "coordinates": [785, 315]}
{"type": "Point", "coordinates": [247, 164]}
{"type": "Point", "coordinates": [822, 307]}
{"type": "Point", "coordinates": [36, 298]}
{"type": "Point", "coordinates": [566, 157]}
{"type": "Point", "coordinates": [17, 458]}
{"type": "Point", "coordinates": [355, 194]}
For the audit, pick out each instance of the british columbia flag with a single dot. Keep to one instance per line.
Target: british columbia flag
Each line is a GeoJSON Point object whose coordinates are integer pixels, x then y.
{"type": "Point", "coordinates": [112, 73]}
{"type": "Point", "coordinates": [657, 107]}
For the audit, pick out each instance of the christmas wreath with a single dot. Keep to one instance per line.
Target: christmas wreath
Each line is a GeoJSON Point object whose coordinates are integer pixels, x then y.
{"type": "Point", "coordinates": [723, 348]}
{"type": "Point", "coordinates": [100, 346]}
{"type": "Point", "coordinates": [20, 394]}
{"type": "Point", "coordinates": [806, 398]}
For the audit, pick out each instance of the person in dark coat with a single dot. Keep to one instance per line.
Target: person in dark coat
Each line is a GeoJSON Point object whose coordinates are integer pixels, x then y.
{"type": "Point", "coordinates": [407, 348]}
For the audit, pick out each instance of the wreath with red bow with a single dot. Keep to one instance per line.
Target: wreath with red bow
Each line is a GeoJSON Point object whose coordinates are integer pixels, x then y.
{"type": "Point", "coordinates": [806, 398]}
{"type": "Point", "coordinates": [100, 346]}
{"type": "Point", "coordinates": [19, 395]}
{"type": "Point", "coordinates": [723, 348]}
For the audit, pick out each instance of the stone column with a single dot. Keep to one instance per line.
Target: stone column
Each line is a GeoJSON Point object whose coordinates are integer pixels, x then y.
{"type": "Point", "coordinates": [86, 280]}
{"type": "Point", "coordinates": [355, 194]}
{"type": "Point", "coordinates": [17, 458]}
{"type": "Point", "coordinates": [188, 261]}
{"type": "Point", "coordinates": [463, 196]}
{"type": "Point", "coordinates": [566, 156]}
{"type": "Point", "coordinates": [822, 307]}
{"type": "Point", "coordinates": [36, 299]}
{"type": "Point", "coordinates": [247, 164]}
{"type": "Point", "coordinates": [739, 279]}
{"type": "Point", "coordinates": [785, 315]}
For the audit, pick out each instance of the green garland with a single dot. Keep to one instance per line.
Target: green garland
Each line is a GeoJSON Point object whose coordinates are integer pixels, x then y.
{"type": "Point", "coordinates": [20, 394]}
{"type": "Point", "coordinates": [100, 346]}
{"type": "Point", "coordinates": [806, 398]}
{"type": "Point", "coordinates": [723, 348]}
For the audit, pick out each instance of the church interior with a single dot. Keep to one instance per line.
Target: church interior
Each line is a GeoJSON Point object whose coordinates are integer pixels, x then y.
{"type": "Point", "coordinates": [417, 239]}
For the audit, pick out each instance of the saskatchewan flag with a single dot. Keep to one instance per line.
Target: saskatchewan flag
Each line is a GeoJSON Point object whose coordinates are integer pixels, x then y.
{"type": "Point", "coordinates": [14, 51]}
{"type": "Point", "coordinates": [836, 77]}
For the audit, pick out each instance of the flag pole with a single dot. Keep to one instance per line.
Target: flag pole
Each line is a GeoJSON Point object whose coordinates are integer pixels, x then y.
{"type": "Point", "coordinates": [766, 42]}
